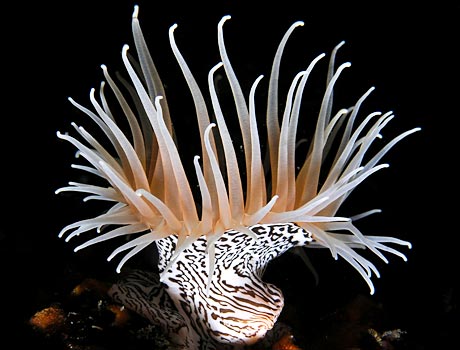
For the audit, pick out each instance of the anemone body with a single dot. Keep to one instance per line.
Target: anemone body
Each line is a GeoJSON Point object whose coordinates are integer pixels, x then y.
{"type": "Point", "coordinates": [213, 251]}
{"type": "Point", "coordinates": [231, 308]}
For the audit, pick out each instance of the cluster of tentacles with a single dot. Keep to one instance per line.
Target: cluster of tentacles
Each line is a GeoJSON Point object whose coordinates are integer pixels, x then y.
{"type": "Point", "coordinates": [212, 254]}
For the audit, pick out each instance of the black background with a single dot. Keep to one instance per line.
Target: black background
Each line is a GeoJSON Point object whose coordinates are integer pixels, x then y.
{"type": "Point", "coordinates": [410, 53]}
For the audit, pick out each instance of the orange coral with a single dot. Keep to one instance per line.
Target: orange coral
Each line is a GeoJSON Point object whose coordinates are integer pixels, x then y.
{"type": "Point", "coordinates": [286, 343]}
{"type": "Point", "coordinates": [48, 320]}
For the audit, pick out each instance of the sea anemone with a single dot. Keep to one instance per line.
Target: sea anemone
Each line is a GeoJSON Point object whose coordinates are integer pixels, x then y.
{"type": "Point", "coordinates": [214, 245]}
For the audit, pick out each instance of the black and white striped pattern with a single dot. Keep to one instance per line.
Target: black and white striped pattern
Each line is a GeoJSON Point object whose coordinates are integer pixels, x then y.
{"type": "Point", "coordinates": [238, 309]}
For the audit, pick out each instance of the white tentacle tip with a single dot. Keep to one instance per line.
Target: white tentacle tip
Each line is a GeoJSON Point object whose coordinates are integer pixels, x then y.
{"type": "Point", "coordinates": [173, 28]}
{"type": "Point", "coordinates": [162, 277]}
{"type": "Point", "coordinates": [140, 192]}
{"type": "Point", "coordinates": [136, 11]}
{"type": "Point", "coordinates": [223, 19]}
{"type": "Point", "coordinates": [210, 126]}
{"type": "Point", "coordinates": [339, 45]}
